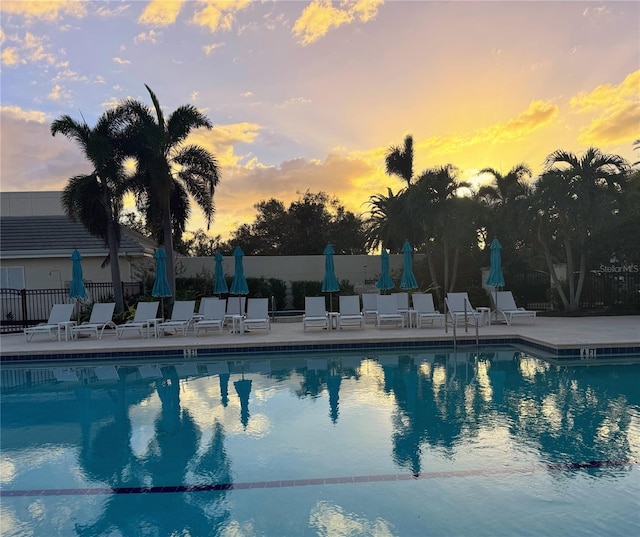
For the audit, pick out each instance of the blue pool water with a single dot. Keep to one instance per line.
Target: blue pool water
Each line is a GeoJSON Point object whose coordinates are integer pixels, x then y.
{"type": "Point", "coordinates": [436, 443]}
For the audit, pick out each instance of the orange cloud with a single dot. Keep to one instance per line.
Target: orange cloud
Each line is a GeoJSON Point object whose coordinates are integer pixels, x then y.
{"type": "Point", "coordinates": [620, 124]}
{"type": "Point", "coordinates": [23, 115]}
{"type": "Point", "coordinates": [161, 12]}
{"type": "Point", "coordinates": [241, 187]}
{"type": "Point", "coordinates": [10, 56]}
{"type": "Point", "coordinates": [220, 140]}
{"type": "Point", "coordinates": [50, 11]}
{"type": "Point", "coordinates": [618, 108]}
{"type": "Point", "coordinates": [321, 16]}
{"type": "Point", "coordinates": [31, 49]}
{"type": "Point", "coordinates": [608, 95]}
{"type": "Point", "coordinates": [219, 15]}
{"type": "Point", "coordinates": [538, 115]}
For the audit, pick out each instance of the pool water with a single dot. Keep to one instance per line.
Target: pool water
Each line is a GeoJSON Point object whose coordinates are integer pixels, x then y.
{"type": "Point", "coordinates": [436, 443]}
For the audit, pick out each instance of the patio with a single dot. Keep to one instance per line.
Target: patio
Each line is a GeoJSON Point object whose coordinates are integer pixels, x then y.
{"type": "Point", "coordinates": [552, 332]}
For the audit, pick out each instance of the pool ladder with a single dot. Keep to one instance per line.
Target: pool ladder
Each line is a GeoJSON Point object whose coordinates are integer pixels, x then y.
{"type": "Point", "coordinates": [453, 325]}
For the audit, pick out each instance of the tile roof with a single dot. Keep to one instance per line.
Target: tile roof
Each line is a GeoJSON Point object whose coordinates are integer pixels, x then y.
{"type": "Point", "coordinates": [26, 236]}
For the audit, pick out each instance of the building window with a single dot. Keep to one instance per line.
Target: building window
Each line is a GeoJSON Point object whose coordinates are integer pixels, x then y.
{"type": "Point", "coordinates": [12, 277]}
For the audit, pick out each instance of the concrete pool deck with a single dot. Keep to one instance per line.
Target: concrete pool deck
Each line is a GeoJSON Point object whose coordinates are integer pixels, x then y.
{"type": "Point", "coordinates": [551, 332]}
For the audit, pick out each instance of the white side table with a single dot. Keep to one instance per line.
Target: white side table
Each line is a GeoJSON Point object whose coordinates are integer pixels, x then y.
{"type": "Point", "coordinates": [485, 315]}
{"type": "Point", "coordinates": [66, 328]}
{"type": "Point", "coordinates": [153, 324]}
{"type": "Point", "coordinates": [236, 324]}
{"type": "Point", "coordinates": [333, 320]}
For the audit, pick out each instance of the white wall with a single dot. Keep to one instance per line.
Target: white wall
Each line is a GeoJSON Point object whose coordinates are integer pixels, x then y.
{"type": "Point", "coordinates": [294, 268]}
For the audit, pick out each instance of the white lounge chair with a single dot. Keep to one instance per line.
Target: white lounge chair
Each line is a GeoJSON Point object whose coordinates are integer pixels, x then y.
{"type": "Point", "coordinates": [506, 308]}
{"type": "Point", "coordinates": [181, 317]}
{"type": "Point", "coordinates": [459, 308]}
{"type": "Point", "coordinates": [424, 309]}
{"type": "Point", "coordinates": [369, 306]}
{"type": "Point", "coordinates": [101, 318]}
{"type": "Point", "coordinates": [236, 306]}
{"type": "Point", "coordinates": [403, 305]}
{"type": "Point", "coordinates": [257, 317]}
{"type": "Point", "coordinates": [387, 311]}
{"type": "Point", "coordinates": [315, 313]}
{"type": "Point", "coordinates": [144, 319]}
{"type": "Point", "coordinates": [212, 316]}
{"type": "Point", "coordinates": [350, 314]}
{"type": "Point", "coordinates": [59, 315]}
{"type": "Point", "coordinates": [203, 302]}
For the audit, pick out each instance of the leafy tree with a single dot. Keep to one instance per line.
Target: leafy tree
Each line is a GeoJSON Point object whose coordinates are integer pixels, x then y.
{"type": "Point", "coordinates": [134, 221]}
{"type": "Point", "coordinates": [96, 199]}
{"type": "Point", "coordinates": [574, 199]}
{"type": "Point", "coordinates": [202, 245]}
{"type": "Point", "coordinates": [304, 228]}
{"type": "Point", "coordinates": [168, 171]}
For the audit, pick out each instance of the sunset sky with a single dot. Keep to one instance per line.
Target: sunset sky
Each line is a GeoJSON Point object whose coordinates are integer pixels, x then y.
{"type": "Point", "coordinates": [310, 95]}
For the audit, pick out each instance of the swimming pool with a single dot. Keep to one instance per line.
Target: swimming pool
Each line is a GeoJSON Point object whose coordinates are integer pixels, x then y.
{"type": "Point", "coordinates": [434, 442]}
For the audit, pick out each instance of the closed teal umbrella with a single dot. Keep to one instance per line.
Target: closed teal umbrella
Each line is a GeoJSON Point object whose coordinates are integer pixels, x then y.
{"type": "Point", "coordinates": [408, 280]}
{"type": "Point", "coordinates": [76, 287]}
{"type": "Point", "coordinates": [161, 285]}
{"type": "Point", "coordinates": [239, 284]}
{"type": "Point", "coordinates": [496, 278]}
{"type": "Point", "coordinates": [330, 283]}
{"type": "Point", "coordinates": [219, 283]}
{"type": "Point", "coordinates": [384, 282]}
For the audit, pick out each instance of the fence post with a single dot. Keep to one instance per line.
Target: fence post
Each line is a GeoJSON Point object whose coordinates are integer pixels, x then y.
{"type": "Point", "coordinates": [23, 301]}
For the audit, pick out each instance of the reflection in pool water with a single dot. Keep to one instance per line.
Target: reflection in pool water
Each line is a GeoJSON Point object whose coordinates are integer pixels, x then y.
{"type": "Point", "coordinates": [428, 443]}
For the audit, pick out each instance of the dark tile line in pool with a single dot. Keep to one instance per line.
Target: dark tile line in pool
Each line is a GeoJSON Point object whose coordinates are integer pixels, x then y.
{"type": "Point", "coordinates": [572, 466]}
{"type": "Point", "coordinates": [296, 348]}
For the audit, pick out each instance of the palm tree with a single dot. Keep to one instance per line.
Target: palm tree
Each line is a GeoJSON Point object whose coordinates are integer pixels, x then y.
{"type": "Point", "coordinates": [168, 171]}
{"type": "Point", "coordinates": [435, 206]}
{"type": "Point", "coordinates": [96, 199]}
{"type": "Point", "coordinates": [505, 199]}
{"type": "Point", "coordinates": [387, 222]}
{"type": "Point", "coordinates": [506, 188]}
{"type": "Point", "coordinates": [399, 161]}
{"type": "Point", "coordinates": [575, 197]}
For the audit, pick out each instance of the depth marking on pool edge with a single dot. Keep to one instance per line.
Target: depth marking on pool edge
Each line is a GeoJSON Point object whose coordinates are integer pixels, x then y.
{"type": "Point", "coordinates": [317, 481]}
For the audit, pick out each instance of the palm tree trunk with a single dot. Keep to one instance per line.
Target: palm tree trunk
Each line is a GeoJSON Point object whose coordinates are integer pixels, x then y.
{"type": "Point", "coordinates": [433, 273]}
{"type": "Point", "coordinates": [570, 275]}
{"type": "Point", "coordinates": [114, 261]}
{"type": "Point", "coordinates": [445, 262]}
{"type": "Point", "coordinates": [552, 270]}
{"type": "Point", "coordinates": [581, 278]}
{"type": "Point", "coordinates": [454, 269]}
{"type": "Point", "coordinates": [112, 243]}
{"type": "Point", "coordinates": [168, 247]}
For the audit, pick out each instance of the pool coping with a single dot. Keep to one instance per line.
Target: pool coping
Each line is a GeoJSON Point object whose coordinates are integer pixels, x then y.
{"type": "Point", "coordinates": [186, 350]}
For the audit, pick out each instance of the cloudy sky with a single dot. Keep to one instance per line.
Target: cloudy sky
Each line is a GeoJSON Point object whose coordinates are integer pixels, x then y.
{"type": "Point", "coordinates": [310, 95]}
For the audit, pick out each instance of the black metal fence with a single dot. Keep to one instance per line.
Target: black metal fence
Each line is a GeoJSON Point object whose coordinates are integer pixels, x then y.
{"type": "Point", "coordinates": [617, 292]}
{"type": "Point", "coordinates": [531, 289]}
{"type": "Point", "coordinates": [602, 292]}
{"type": "Point", "coordinates": [20, 308]}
